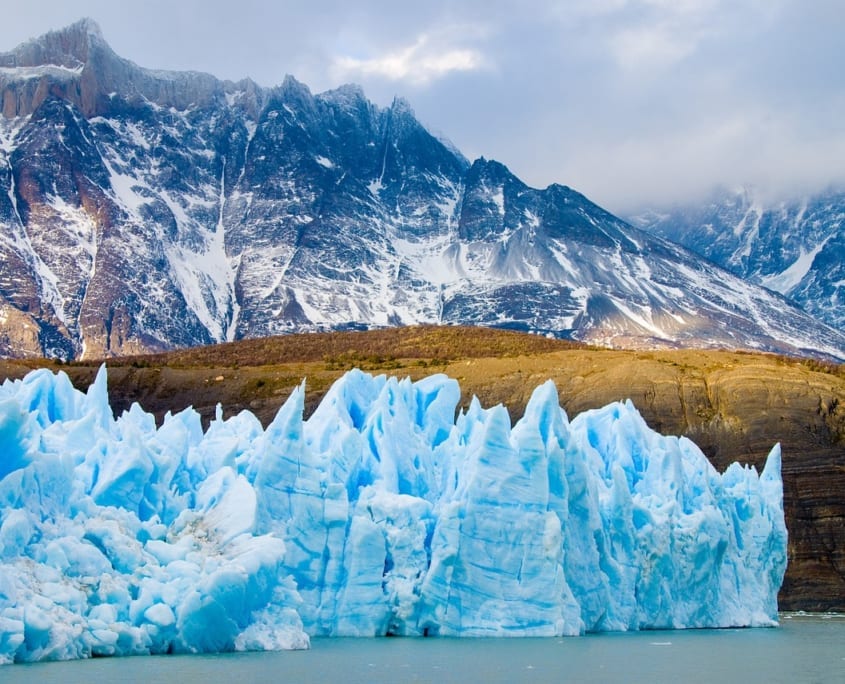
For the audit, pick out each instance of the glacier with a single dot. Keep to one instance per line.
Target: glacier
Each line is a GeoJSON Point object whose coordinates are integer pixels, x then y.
{"type": "Point", "coordinates": [388, 511]}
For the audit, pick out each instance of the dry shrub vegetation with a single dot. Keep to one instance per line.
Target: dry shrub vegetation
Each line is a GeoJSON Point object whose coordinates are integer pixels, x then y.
{"type": "Point", "coordinates": [674, 389]}
{"type": "Point", "coordinates": [374, 348]}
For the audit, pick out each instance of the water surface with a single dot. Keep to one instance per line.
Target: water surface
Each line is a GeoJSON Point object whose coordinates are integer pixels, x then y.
{"type": "Point", "coordinates": [803, 649]}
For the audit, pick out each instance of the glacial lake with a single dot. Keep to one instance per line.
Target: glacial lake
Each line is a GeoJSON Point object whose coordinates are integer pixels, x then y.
{"type": "Point", "coordinates": [802, 649]}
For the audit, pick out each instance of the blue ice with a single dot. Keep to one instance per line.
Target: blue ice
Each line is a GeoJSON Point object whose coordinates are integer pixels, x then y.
{"type": "Point", "coordinates": [383, 513]}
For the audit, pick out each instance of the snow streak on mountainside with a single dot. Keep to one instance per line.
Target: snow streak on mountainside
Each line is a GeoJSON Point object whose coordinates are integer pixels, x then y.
{"type": "Point", "coordinates": [795, 248]}
{"type": "Point", "coordinates": [144, 210]}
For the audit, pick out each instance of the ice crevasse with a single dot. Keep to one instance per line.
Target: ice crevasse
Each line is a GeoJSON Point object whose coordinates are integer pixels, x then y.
{"type": "Point", "coordinates": [383, 513]}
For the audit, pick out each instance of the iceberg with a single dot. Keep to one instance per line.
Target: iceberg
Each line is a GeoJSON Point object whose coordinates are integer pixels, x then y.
{"type": "Point", "coordinates": [387, 512]}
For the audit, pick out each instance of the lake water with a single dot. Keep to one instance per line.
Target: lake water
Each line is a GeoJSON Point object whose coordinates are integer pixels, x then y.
{"type": "Point", "coordinates": [802, 649]}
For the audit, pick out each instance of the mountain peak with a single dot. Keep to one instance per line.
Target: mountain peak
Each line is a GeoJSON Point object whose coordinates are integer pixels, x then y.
{"type": "Point", "coordinates": [70, 47]}
{"type": "Point", "coordinates": [348, 92]}
{"type": "Point", "coordinates": [77, 64]}
{"type": "Point", "coordinates": [293, 90]}
{"type": "Point", "coordinates": [86, 26]}
{"type": "Point", "coordinates": [401, 106]}
{"type": "Point", "coordinates": [490, 171]}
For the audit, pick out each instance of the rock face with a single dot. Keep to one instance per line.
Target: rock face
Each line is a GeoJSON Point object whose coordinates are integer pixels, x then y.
{"type": "Point", "coordinates": [794, 248]}
{"type": "Point", "coordinates": [144, 210]}
{"type": "Point", "coordinates": [76, 65]}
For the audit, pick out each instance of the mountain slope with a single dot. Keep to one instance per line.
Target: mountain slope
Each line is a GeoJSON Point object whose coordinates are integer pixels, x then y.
{"type": "Point", "coordinates": [144, 210]}
{"type": "Point", "coordinates": [794, 248]}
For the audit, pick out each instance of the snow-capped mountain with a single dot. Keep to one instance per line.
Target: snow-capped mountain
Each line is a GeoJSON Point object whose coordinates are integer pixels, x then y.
{"type": "Point", "coordinates": [793, 247]}
{"type": "Point", "coordinates": [143, 210]}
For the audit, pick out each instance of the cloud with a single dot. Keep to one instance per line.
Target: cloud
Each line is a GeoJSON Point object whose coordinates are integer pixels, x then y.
{"type": "Point", "coordinates": [661, 166]}
{"type": "Point", "coordinates": [426, 60]}
{"type": "Point", "coordinates": [657, 33]}
{"type": "Point", "coordinates": [645, 35]}
{"type": "Point", "coordinates": [651, 46]}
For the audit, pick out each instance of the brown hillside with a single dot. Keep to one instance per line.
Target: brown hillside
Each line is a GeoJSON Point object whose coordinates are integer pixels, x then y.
{"type": "Point", "coordinates": [735, 406]}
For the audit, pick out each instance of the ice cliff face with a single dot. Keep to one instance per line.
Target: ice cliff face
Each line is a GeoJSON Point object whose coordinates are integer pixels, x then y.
{"type": "Point", "coordinates": [380, 514]}
{"type": "Point", "coordinates": [144, 210]}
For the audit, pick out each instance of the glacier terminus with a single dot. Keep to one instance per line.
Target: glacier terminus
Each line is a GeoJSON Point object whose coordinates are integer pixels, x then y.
{"type": "Point", "coordinates": [389, 511]}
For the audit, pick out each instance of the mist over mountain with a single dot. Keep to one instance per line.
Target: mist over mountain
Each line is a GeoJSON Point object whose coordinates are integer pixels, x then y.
{"type": "Point", "coordinates": [145, 210]}
{"type": "Point", "coordinates": [793, 247]}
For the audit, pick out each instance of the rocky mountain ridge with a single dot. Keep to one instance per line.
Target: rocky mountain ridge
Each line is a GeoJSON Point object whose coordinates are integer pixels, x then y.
{"type": "Point", "coordinates": [144, 210]}
{"type": "Point", "coordinates": [793, 247]}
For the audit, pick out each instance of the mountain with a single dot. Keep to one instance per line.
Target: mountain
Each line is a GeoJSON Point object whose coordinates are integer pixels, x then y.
{"type": "Point", "coordinates": [145, 210]}
{"type": "Point", "coordinates": [792, 247]}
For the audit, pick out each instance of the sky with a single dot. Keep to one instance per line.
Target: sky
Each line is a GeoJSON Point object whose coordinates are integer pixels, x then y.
{"type": "Point", "coordinates": [635, 103]}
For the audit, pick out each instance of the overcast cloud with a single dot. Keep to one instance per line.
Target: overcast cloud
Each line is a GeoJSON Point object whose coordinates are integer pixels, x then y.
{"type": "Point", "coordinates": [632, 102]}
